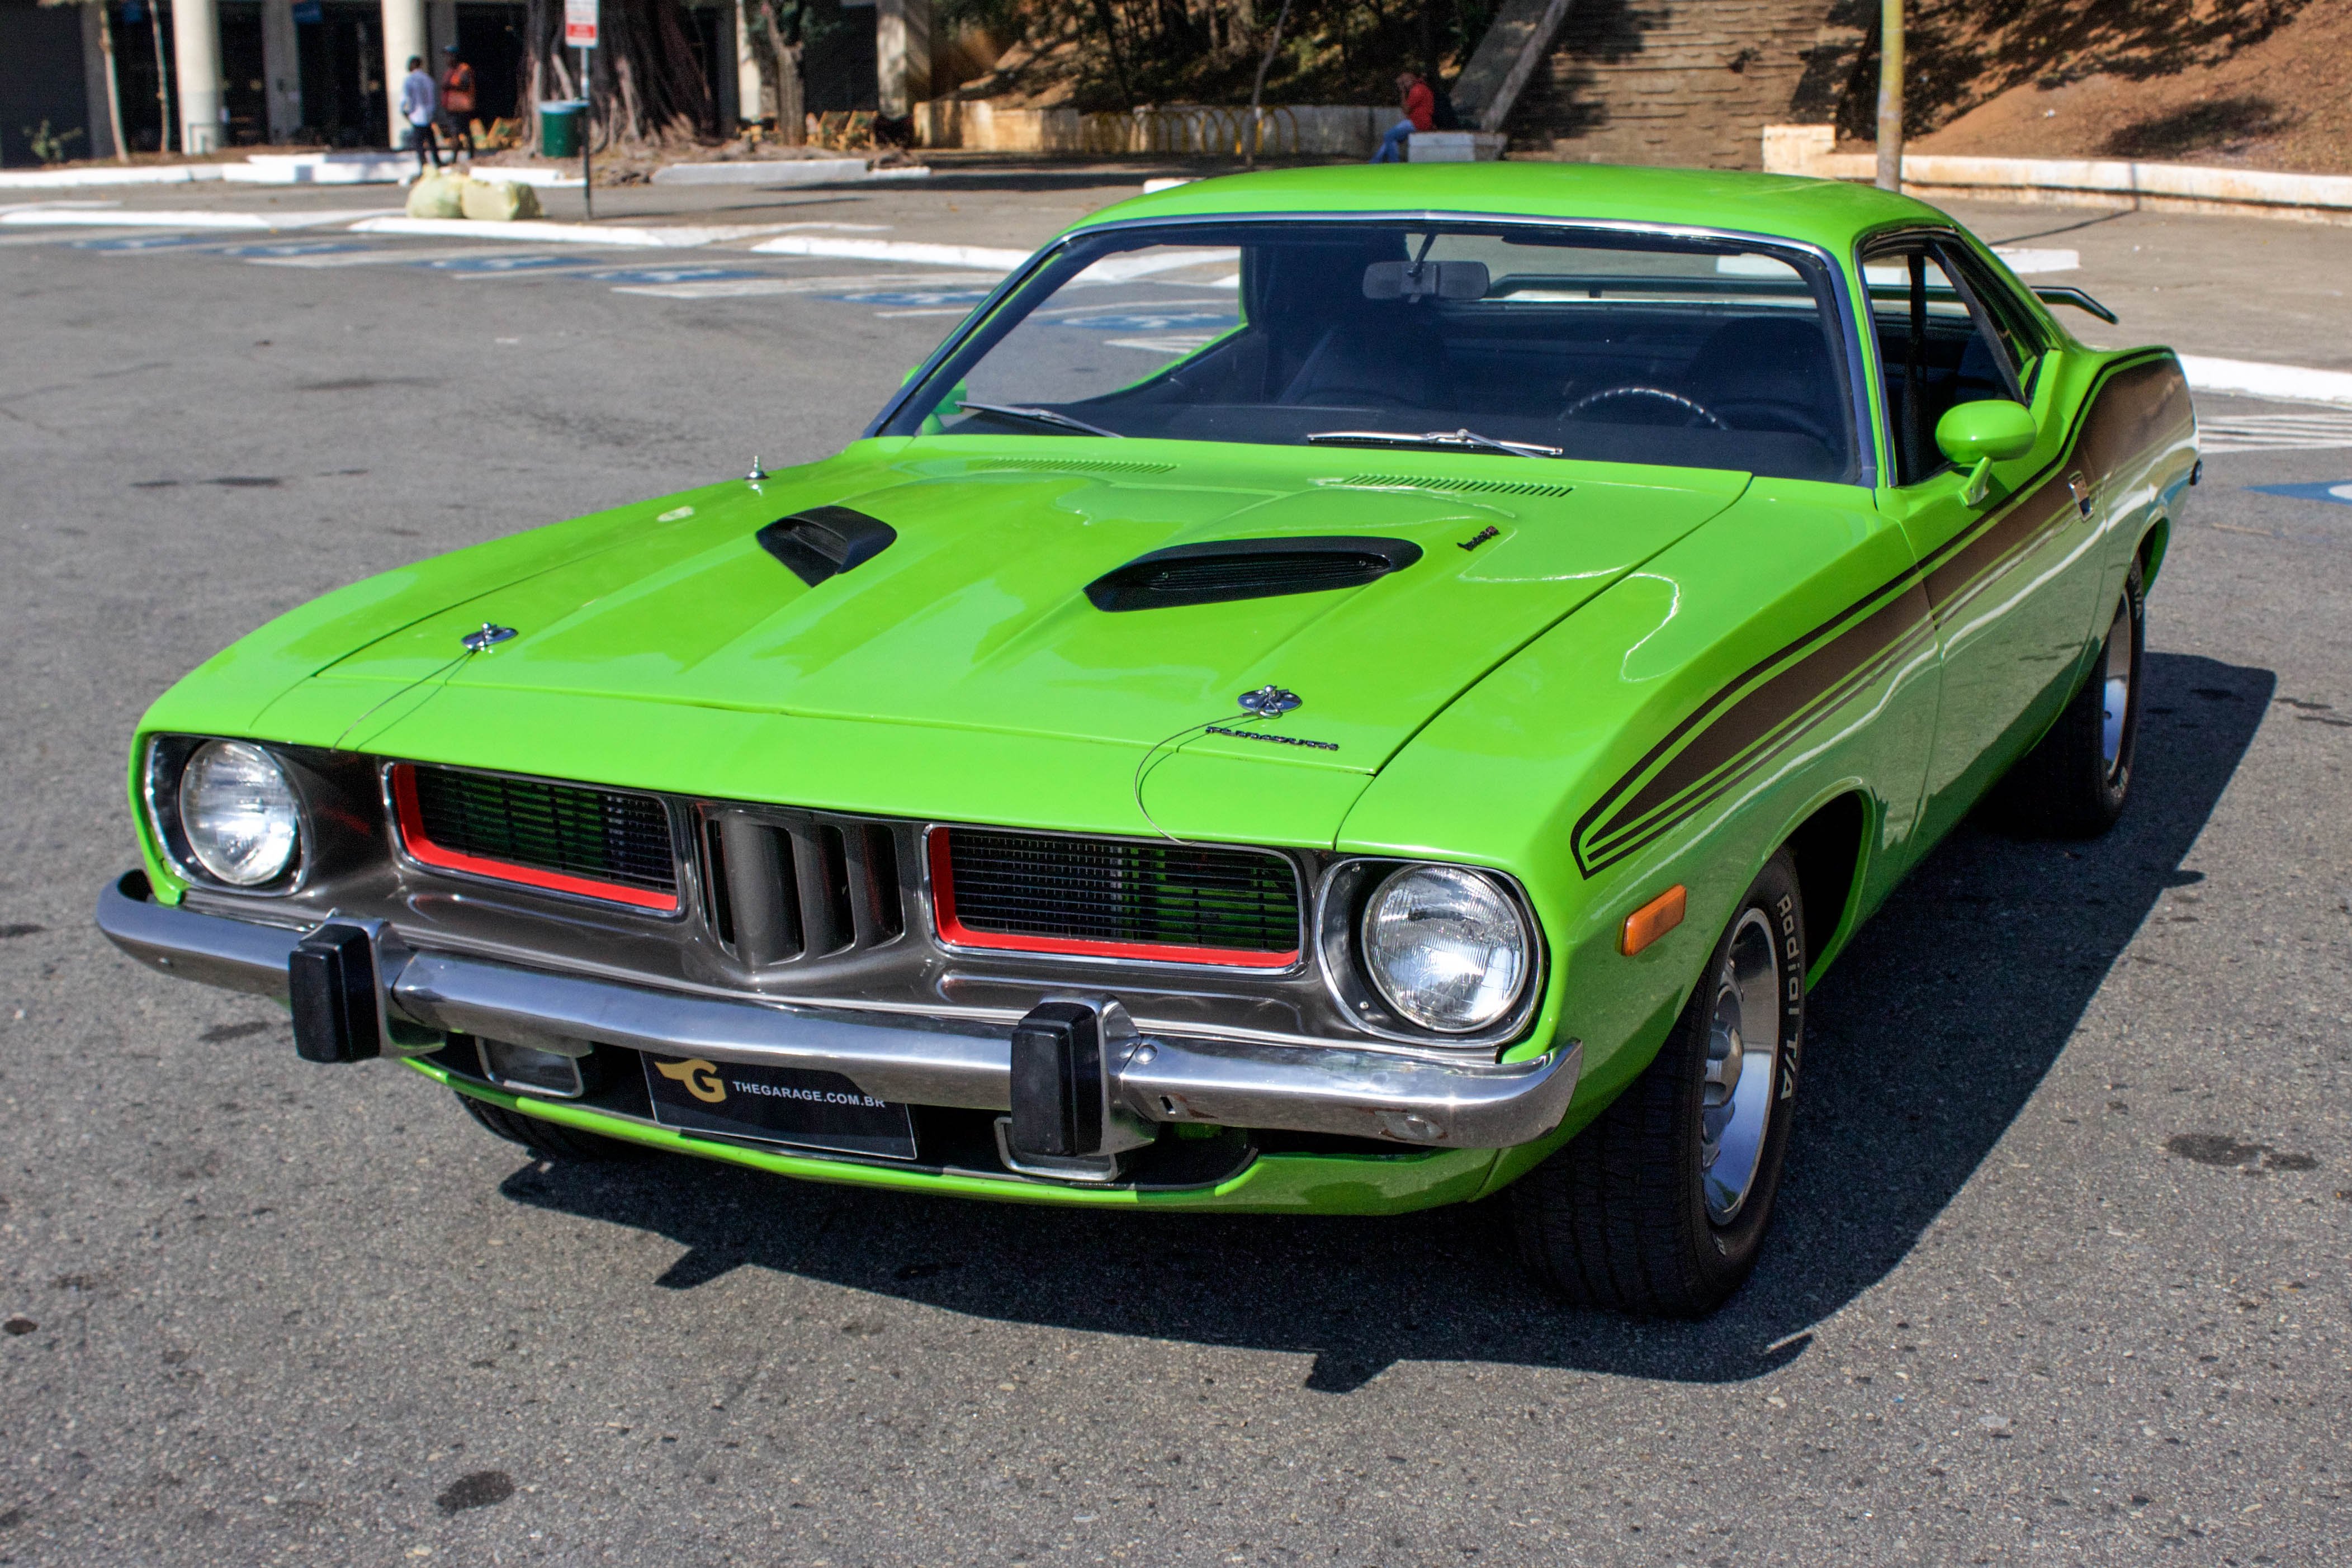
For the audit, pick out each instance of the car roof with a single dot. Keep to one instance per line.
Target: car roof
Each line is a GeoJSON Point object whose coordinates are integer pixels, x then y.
{"type": "Point", "coordinates": [1827, 212]}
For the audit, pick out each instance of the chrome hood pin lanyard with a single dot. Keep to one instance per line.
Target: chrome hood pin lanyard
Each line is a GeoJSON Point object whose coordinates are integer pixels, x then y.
{"type": "Point", "coordinates": [1269, 702]}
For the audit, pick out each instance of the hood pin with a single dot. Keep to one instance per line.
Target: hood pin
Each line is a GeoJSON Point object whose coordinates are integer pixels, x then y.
{"type": "Point", "coordinates": [490, 636]}
{"type": "Point", "coordinates": [1270, 702]}
{"type": "Point", "coordinates": [757, 473]}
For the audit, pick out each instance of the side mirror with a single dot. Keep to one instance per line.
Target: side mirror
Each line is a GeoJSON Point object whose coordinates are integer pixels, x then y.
{"type": "Point", "coordinates": [1976, 436]}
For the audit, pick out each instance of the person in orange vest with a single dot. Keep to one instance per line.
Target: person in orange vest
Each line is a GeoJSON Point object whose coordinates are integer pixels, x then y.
{"type": "Point", "coordinates": [1419, 106]}
{"type": "Point", "coordinates": [458, 101]}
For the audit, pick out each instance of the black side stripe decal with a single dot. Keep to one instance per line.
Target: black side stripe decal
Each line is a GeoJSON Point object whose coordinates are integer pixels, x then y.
{"type": "Point", "coordinates": [1765, 711]}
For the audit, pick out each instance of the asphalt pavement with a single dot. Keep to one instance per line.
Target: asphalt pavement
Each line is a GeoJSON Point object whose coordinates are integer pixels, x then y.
{"type": "Point", "coordinates": [2060, 1269]}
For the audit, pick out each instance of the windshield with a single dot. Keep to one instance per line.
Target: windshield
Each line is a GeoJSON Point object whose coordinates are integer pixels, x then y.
{"type": "Point", "coordinates": [1515, 341]}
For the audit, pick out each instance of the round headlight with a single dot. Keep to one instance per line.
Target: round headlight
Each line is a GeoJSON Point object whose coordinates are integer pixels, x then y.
{"type": "Point", "coordinates": [1445, 946]}
{"type": "Point", "coordinates": [238, 812]}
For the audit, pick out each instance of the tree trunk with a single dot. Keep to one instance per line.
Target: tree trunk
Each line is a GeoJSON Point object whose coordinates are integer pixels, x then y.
{"type": "Point", "coordinates": [113, 86]}
{"type": "Point", "coordinates": [1257, 89]}
{"type": "Point", "coordinates": [162, 78]}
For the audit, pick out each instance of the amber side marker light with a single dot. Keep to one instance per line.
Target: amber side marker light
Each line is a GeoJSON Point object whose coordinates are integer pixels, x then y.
{"type": "Point", "coordinates": [1654, 920]}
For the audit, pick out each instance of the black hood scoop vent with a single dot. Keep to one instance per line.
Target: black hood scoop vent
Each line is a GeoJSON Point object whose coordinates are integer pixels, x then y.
{"type": "Point", "coordinates": [825, 541]}
{"type": "Point", "coordinates": [1227, 569]}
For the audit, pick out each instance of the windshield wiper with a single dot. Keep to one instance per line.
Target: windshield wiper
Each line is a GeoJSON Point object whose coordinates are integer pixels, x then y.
{"type": "Point", "coordinates": [1041, 415]}
{"type": "Point", "coordinates": [1464, 438]}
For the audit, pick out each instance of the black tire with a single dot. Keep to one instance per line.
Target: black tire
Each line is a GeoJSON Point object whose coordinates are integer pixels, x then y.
{"type": "Point", "coordinates": [550, 1140]}
{"type": "Point", "coordinates": [1632, 1214]}
{"type": "Point", "coordinates": [2074, 783]}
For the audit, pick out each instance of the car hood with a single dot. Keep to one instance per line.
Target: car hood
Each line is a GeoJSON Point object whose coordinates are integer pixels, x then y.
{"type": "Point", "coordinates": [976, 615]}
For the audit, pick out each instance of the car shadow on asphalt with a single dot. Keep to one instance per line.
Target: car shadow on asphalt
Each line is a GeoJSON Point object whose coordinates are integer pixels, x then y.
{"type": "Point", "coordinates": [1926, 1042]}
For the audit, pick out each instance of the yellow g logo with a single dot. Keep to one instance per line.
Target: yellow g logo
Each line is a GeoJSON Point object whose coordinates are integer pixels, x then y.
{"type": "Point", "coordinates": [701, 1079]}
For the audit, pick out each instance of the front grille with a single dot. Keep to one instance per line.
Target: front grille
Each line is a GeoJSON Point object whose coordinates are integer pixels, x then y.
{"type": "Point", "coordinates": [781, 885]}
{"type": "Point", "coordinates": [571, 832]}
{"type": "Point", "coordinates": [1115, 898]}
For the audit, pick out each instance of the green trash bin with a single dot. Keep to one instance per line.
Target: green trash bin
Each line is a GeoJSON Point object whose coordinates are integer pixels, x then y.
{"type": "Point", "coordinates": [559, 127]}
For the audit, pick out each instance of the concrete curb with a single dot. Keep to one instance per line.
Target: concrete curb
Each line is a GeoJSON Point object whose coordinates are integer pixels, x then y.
{"type": "Point", "coordinates": [2247, 378]}
{"type": "Point", "coordinates": [1808, 149]}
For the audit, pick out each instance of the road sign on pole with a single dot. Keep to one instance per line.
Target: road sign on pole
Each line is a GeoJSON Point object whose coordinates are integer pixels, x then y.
{"type": "Point", "coordinates": [578, 23]}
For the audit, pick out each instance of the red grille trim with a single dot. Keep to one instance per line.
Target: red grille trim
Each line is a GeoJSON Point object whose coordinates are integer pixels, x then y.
{"type": "Point", "coordinates": [425, 851]}
{"type": "Point", "coordinates": [955, 934]}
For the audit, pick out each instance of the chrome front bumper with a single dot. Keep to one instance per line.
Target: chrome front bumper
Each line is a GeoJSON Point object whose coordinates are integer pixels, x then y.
{"type": "Point", "coordinates": [921, 1062]}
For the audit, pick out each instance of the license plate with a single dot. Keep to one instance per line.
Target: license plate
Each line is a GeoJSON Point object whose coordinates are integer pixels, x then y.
{"type": "Point", "coordinates": [776, 1105]}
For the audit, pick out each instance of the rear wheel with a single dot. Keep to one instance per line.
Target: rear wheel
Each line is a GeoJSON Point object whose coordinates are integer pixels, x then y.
{"type": "Point", "coordinates": [549, 1140]}
{"type": "Point", "coordinates": [1659, 1207]}
{"type": "Point", "coordinates": [2073, 784]}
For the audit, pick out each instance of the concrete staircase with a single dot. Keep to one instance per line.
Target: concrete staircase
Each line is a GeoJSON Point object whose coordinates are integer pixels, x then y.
{"type": "Point", "coordinates": [1685, 82]}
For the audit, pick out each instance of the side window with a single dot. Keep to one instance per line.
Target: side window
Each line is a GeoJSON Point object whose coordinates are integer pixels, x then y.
{"type": "Point", "coordinates": [1935, 349]}
{"type": "Point", "coordinates": [2010, 322]}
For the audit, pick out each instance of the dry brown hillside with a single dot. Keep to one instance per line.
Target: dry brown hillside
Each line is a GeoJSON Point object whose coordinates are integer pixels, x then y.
{"type": "Point", "coordinates": [2262, 84]}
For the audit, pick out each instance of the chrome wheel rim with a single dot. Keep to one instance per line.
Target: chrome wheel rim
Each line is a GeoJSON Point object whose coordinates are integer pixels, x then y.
{"type": "Point", "coordinates": [2116, 693]}
{"type": "Point", "coordinates": [1743, 1051]}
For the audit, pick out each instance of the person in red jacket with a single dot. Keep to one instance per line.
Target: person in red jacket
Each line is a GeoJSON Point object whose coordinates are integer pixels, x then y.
{"type": "Point", "coordinates": [1420, 106]}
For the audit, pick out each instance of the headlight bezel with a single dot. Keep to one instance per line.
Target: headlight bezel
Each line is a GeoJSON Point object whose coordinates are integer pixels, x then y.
{"type": "Point", "coordinates": [1339, 902]}
{"type": "Point", "coordinates": [168, 757]}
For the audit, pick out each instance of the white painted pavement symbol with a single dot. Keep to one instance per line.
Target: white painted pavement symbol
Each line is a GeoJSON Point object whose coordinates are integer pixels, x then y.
{"type": "Point", "coordinates": [751, 287]}
{"type": "Point", "coordinates": [132, 245]}
{"type": "Point", "coordinates": [2317, 430]}
{"type": "Point", "coordinates": [671, 275]}
{"type": "Point", "coordinates": [505, 266]}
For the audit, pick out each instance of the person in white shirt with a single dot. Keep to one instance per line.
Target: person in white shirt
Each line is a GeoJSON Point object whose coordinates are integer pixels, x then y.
{"type": "Point", "coordinates": [419, 102]}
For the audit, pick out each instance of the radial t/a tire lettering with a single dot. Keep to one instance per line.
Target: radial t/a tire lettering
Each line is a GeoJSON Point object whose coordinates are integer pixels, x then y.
{"type": "Point", "coordinates": [1659, 1207]}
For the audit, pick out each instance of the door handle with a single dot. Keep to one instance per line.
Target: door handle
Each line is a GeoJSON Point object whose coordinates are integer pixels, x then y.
{"type": "Point", "coordinates": [2081, 489]}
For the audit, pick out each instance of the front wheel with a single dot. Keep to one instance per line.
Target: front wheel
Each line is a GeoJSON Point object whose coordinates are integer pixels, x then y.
{"type": "Point", "coordinates": [1659, 1207]}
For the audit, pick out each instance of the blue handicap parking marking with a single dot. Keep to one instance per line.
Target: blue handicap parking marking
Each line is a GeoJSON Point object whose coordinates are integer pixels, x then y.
{"type": "Point", "coordinates": [2339, 491]}
{"type": "Point", "coordinates": [295, 247]}
{"type": "Point", "coordinates": [146, 242]}
{"type": "Point", "coordinates": [915, 297]}
{"type": "Point", "coordinates": [673, 275]}
{"type": "Point", "coordinates": [1154, 321]}
{"type": "Point", "coordinates": [492, 264]}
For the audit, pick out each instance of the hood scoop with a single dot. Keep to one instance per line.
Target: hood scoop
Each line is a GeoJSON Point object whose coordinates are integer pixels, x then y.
{"type": "Point", "coordinates": [825, 541]}
{"type": "Point", "coordinates": [1226, 569]}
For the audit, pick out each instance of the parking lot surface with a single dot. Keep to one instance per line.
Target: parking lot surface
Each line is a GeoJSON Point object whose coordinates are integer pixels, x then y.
{"type": "Point", "coordinates": [2059, 1271]}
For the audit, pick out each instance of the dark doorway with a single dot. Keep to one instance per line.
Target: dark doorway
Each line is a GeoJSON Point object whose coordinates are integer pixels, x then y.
{"type": "Point", "coordinates": [40, 80]}
{"type": "Point", "coordinates": [838, 68]}
{"type": "Point", "coordinates": [241, 76]}
{"type": "Point", "coordinates": [490, 40]}
{"type": "Point", "coordinates": [341, 50]}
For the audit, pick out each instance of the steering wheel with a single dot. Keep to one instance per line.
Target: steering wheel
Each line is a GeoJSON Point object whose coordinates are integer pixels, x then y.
{"type": "Point", "coordinates": [1698, 416]}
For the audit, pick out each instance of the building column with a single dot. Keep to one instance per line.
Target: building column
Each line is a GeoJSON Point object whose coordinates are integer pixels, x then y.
{"type": "Point", "coordinates": [747, 87]}
{"type": "Point", "coordinates": [195, 60]}
{"type": "Point", "coordinates": [902, 51]}
{"type": "Point", "coordinates": [403, 35]}
{"type": "Point", "coordinates": [281, 69]}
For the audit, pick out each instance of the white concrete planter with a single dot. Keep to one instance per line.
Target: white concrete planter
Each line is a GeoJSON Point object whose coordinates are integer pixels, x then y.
{"type": "Point", "coordinates": [1454, 146]}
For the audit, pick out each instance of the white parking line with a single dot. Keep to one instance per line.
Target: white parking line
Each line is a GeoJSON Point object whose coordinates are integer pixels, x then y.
{"type": "Point", "coordinates": [127, 217]}
{"type": "Point", "coordinates": [747, 288]}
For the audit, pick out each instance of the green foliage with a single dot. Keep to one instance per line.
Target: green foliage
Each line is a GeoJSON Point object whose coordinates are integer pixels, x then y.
{"type": "Point", "coordinates": [49, 146]}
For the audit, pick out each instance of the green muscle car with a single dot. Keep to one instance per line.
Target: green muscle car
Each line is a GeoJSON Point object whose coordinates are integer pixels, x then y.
{"type": "Point", "coordinates": [1332, 691]}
